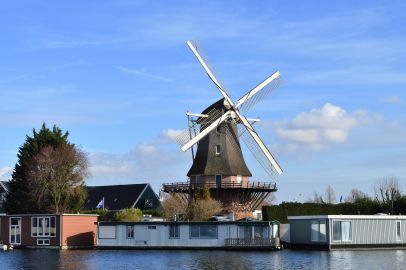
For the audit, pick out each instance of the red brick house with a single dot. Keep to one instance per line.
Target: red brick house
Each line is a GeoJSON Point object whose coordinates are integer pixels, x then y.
{"type": "Point", "coordinates": [49, 230]}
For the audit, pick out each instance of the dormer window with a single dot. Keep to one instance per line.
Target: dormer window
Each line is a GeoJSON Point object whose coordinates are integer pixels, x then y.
{"type": "Point", "coordinates": [218, 149]}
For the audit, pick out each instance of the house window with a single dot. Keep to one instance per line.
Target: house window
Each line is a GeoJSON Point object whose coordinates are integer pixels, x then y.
{"type": "Point", "coordinates": [43, 226]}
{"type": "Point", "coordinates": [174, 231]}
{"type": "Point", "coordinates": [218, 149]}
{"type": "Point", "coordinates": [203, 231]}
{"type": "Point", "coordinates": [149, 202]}
{"type": "Point", "coordinates": [130, 231]}
{"type": "Point", "coordinates": [398, 235]}
{"type": "Point", "coordinates": [260, 232]}
{"type": "Point", "coordinates": [152, 227]}
{"type": "Point", "coordinates": [342, 231]}
{"type": "Point", "coordinates": [43, 242]}
{"type": "Point", "coordinates": [245, 232]}
{"type": "Point", "coordinates": [318, 231]}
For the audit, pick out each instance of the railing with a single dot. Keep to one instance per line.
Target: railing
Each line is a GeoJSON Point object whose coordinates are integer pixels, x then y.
{"type": "Point", "coordinates": [213, 184]}
{"type": "Point", "coordinates": [250, 242]}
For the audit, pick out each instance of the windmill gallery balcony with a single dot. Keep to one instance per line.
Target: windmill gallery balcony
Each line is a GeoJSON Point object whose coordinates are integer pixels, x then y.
{"type": "Point", "coordinates": [243, 197]}
{"type": "Point", "coordinates": [185, 187]}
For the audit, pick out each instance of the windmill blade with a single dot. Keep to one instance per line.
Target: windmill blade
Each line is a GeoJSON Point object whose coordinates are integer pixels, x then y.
{"type": "Point", "coordinates": [259, 142]}
{"type": "Point", "coordinates": [209, 72]}
{"type": "Point", "coordinates": [196, 126]}
{"type": "Point", "coordinates": [206, 131]}
{"type": "Point", "coordinates": [256, 151]}
{"type": "Point", "coordinates": [259, 92]}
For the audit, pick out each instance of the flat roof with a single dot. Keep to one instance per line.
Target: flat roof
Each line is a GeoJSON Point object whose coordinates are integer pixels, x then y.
{"type": "Point", "coordinates": [241, 223]}
{"type": "Point", "coordinates": [346, 217]}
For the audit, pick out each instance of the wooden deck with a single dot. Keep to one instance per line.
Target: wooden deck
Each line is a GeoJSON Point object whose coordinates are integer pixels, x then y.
{"type": "Point", "coordinates": [186, 186]}
{"type": "Point", "coordinates": [251, 243]}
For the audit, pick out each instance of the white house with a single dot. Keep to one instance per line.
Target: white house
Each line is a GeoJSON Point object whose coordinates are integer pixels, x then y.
{"type": "Point", "coordinates": [189, 235]}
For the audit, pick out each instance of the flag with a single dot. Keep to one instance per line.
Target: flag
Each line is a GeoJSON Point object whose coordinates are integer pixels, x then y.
{"type": "Point", "coordinates": [100, 204]}
{"type": "Point", "coordinates": [341, 198]}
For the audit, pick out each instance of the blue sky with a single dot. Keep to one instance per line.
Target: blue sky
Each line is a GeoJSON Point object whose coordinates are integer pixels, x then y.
{"type": "Point", "coordinates": [119, 77]}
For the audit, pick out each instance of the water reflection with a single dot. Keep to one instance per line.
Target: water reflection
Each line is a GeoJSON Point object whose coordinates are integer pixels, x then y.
{"type": "Point", "coordinates": [205, 260]}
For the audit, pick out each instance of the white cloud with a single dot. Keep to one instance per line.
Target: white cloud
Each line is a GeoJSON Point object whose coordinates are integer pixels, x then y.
{"type": "Point", "coordinates": [171, 134]}
{"type": "Point", "coordinates": [5, 173]}
{"type": "Point", "coordinates": [320, 127]}
{"type": "Point", "coordinates": [155, 162]}
{"type": "Point", "coordinates": [393, 100]}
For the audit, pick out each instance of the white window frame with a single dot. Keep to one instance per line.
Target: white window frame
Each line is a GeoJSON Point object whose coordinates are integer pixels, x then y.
{"type": "Point", "coordinates": [341, 227]}
{"type": "Point", "coordinates": [43, 219]}
{"type": "Point", "coordinates": [18, 226]}
{"type": "Point", "coordinates": [398, 236]}
{"type": "Point", "coordinates": [218, 149]}
{"type": "Point", "coordinates": [43, 242]}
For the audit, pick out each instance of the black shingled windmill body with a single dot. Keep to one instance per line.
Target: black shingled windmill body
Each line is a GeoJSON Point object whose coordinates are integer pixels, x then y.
{"type": "Point", "coordinates": [218, 162]}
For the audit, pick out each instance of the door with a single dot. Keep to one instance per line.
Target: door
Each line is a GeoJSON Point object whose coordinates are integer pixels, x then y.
{"type": "Point", "coordinates": [218, 181]}
{"type": "Point", "coordinates": [15, 231]}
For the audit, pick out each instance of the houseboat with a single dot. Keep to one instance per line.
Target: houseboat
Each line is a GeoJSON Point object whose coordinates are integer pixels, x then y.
{"type": "Point", "coordinates": [48, 230]}
{"type": "Point", "coordinates": [248, 235]}
{"type": "Point", "coordinates": [330, 232]}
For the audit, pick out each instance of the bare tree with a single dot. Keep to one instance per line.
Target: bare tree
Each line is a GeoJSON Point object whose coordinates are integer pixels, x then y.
{"type": "Point", "coordinates": [330, 196]}
{"type": "Point", "coordinates": [317, 198]}
{"type": "Point", "coordinates": [56, 176]}
{"type": "Point", "coordinates": [356, 194]}
{"type": "Point", "coordinates": [204, 209]}
{"type": "Point", "coordinates": [269, 200]}
{"type": "Point", "coordinates": [387, 191]}
{"type": "Point", "coordinates": [174, 207]}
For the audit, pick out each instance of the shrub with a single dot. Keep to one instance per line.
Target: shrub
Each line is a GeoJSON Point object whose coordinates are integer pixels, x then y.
{"type": "Point", "coordinates": [128, 214]}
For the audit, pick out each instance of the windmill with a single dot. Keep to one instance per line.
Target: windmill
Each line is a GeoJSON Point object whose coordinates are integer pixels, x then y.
{"type": "Point", "coordinates": [218, 162]}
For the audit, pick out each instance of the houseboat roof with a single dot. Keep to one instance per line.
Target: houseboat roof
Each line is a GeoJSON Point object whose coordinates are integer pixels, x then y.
{"type": "Point", "coordinates": [239, 223]}
{"type": "Point", "coordinates": [378, 216]}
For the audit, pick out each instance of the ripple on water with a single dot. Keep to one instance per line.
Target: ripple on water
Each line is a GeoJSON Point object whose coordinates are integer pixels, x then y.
{"type": "Point", "coordinates": [207, 260]}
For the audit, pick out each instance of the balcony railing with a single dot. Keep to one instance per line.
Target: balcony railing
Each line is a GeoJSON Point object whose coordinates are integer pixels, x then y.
{"type": "Point", "coordinates": [212, 184]}
{"type": "Point", "coordinates": [251, 242]}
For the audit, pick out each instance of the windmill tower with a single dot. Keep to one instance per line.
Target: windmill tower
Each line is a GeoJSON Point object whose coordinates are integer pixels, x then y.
{"type": "Point", "coordinates": [218, 161]}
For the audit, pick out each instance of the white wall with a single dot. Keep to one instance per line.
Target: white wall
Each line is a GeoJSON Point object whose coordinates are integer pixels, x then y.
{"type": "Point", "coordinates": [284, 231]}
{"type": "Point", "coordinates": [159, 237]}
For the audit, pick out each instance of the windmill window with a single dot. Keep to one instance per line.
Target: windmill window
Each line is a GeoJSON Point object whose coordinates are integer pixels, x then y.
{"type": "Point", "coordinates": [239, 179]}
{"type": "Point", "coordinates": [218, 149]}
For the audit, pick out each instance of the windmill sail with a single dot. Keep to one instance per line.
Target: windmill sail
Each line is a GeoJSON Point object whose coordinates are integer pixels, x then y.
{"type": "Point", "coordinates": [258, 93]}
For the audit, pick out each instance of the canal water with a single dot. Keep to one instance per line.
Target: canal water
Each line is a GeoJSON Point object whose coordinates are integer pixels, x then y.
{"type": "Point", "coordinates": [208, 260]}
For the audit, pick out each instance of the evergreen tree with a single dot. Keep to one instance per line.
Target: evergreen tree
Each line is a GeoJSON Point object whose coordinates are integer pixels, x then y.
{"type": "Point", "coordinates": [23, 192]}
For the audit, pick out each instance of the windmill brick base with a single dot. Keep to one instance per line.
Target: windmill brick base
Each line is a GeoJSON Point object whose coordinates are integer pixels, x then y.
{"type": "Point", "coordinates": [240, 198]}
